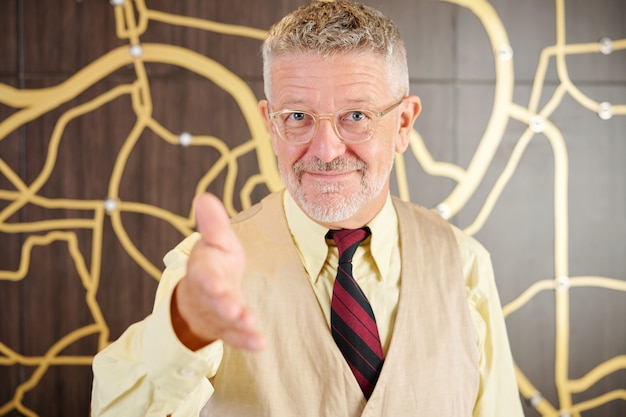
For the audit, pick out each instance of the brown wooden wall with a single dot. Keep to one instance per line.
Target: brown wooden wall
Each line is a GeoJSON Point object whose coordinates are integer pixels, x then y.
{"type": "Point", "coordinates": [68, 283]}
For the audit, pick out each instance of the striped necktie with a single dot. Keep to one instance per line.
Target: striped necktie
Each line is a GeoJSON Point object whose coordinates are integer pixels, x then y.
{"type": "Point", "coordinates": [352, 319]}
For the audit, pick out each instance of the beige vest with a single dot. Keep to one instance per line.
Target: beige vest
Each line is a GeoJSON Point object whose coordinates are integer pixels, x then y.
{"type": "Point", "coordinates": [431, 367]}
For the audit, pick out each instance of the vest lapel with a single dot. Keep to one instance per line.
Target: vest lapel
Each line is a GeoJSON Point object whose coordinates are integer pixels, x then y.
{"type": "Point", "coordinates": [432, 354]}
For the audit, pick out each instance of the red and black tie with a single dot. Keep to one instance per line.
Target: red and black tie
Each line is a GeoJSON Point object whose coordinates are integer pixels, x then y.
{"type": "Point", "coordinates": [351, 317]}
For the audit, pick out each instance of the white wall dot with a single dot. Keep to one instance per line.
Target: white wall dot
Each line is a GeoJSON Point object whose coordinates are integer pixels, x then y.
{"type": "Point", "coordinates": [505, 53]}
{"type": "Point", "coordinates": [535, 400]}
{"type": "Point", "coordinates": [136, 51]}
{"type": "Point", "coordinates": [444, 210]}
{"type": "Point", "coordinates": [117, 2]}
{"type": "Point", "coordinates": [605, 111]}
{"type": "Point", "coordinates": [185, 139]}
{"type": "Point", "coordinates": [561, 283]}
{"type": "Point", "coordinates": [537, 124]}
{"type": "Point", "coordinates": [110, 205]}
{"type": "Point", "coordinates": [606, 45]}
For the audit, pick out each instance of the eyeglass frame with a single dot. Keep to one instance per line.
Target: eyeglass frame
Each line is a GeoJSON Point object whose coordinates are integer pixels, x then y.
{"type": "Point", "coordinates": [332, 117]}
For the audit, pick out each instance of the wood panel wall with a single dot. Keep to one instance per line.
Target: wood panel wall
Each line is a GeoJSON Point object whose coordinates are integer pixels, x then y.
{"type": "Point", "coordinates": [43, 44]}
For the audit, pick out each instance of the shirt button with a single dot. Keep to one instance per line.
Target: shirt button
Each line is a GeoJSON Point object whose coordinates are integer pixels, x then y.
{"type": "Point", "coordinates": [186, 372]}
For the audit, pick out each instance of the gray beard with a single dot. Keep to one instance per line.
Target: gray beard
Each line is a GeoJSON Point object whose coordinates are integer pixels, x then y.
{"type": "Point", "coordinates": [333, 207]}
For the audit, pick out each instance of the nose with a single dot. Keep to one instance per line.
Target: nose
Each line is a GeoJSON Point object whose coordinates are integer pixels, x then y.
{"type": "Point", "coordinates": [326, 144]}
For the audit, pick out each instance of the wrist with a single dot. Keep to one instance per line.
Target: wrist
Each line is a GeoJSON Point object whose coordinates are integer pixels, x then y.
{"type": "Point", "coordinates": [183, 331]}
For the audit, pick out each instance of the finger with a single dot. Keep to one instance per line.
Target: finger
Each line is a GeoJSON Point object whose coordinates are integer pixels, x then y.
{"type": "Point", "coordinates": [241, 341]}
{"type": "Point", "coordinates": [213, 222]}
{"type": "Point", "coordinates": [234, 323]}
{"type": "Point", "coordinates": [250, 340]}
{"type": "Point", "coordinates": [228, 308]}
{"type": "Point", "coordinates": [238, 324]}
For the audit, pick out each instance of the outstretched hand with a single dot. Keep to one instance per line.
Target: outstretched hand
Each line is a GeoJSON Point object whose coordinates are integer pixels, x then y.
{"type": "Point", "coordinates": [208, 303]}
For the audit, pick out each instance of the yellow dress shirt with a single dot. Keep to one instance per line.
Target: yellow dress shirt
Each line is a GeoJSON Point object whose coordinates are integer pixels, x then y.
{"type": "Point", "coordinates": [376, 263]}
{"type": "Point", "coordinates": [148, 372]}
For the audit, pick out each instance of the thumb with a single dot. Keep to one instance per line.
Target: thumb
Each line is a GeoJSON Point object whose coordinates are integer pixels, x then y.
{"type": "Point", "coordinates": [213, 222]}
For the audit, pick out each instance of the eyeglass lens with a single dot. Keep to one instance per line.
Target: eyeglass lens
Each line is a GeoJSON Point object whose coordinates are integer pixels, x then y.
{"type": "Point", "coordinates": [301, 126]}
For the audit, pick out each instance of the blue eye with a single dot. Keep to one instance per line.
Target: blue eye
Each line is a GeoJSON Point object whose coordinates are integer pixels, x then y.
{"type": "Point", "coordinates": [297, 116]}
{"type": "Point", "coordinates": [357, 116]}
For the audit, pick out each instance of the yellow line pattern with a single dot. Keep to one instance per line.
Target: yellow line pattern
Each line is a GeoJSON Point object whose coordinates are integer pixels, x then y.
{"type": "Point", "coordinates": [132, 20]}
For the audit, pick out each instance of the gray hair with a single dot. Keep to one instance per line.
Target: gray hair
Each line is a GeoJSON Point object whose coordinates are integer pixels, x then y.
{"type": "Point", "coordinates": [327, 28]}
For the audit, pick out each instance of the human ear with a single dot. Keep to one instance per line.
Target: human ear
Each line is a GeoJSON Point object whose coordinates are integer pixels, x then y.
{"type": "Point", "coordinates": [409, 110]}
{"type": "Point", "coordinates": [264, 110]}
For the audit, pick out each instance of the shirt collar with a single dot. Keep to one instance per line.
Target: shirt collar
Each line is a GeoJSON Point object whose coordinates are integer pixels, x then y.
{"type": "Point", "coordinates": [310, 241]}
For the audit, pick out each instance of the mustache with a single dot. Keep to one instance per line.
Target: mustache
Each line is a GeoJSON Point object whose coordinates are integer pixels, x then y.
{"type": "Point", "coordinates": [337, 164]}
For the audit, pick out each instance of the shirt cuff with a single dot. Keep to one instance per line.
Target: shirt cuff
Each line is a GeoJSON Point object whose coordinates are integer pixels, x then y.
{"type": "Point", "coordinates": [175, 370]}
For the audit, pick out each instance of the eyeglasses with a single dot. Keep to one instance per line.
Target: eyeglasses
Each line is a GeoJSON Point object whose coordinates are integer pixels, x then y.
{"type": "Point", "coordinates": [351, 126]}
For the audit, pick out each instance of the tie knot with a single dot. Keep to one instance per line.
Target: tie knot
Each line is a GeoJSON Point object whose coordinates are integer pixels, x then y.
{"type": "Point", "coordinates": [347, 240]}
